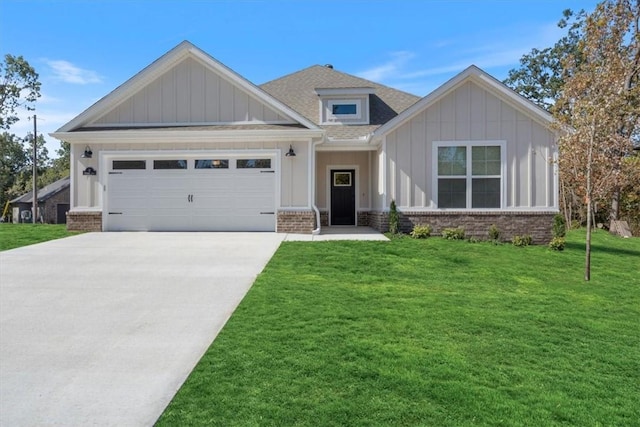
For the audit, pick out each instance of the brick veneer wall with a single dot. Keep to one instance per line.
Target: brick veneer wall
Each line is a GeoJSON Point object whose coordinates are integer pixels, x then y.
{"type": "Point", "coordinates": [363, 219]}
{"type": "Point", "coordinates": [536, 224]}
{"type": "Point", "coordinates": [324, 218]}
{"type": "Point", "coordinates": [379, 221]}
{"type": "Point", "coordinates": [84, 221]}
{"type": "Point", "coordinates": [300, 222]}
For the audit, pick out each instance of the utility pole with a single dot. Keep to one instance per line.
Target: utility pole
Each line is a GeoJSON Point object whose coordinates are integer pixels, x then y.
{"type": "Point", "coordinates": [35, 171]}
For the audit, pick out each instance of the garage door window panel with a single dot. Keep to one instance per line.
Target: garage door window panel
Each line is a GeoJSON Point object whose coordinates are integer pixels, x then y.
{"type": "Point", "coordinates": [212, 164]}
{"type": "Point", "coordinates": [129, 165]}
{"type": "Point", "coordinates": [253, 164]}
{"type": "Point", "coordinates": [169, 164]}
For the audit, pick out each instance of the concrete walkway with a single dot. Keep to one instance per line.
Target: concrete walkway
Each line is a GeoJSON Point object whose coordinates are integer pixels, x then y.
{"type": "Point", "coordinates": [339, 233]}
{"type": "Point", "coordinates": [103, 328]}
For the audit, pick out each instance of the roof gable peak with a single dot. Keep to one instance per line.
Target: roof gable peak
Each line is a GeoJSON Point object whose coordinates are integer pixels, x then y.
{"type": "Point", "coordinates": [483, 79]}
{"type": "Point", "coordinates": [166, 62]}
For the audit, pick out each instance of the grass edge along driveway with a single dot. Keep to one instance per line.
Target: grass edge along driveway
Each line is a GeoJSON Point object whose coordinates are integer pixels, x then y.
{"type": "Point", "coordinates": [17, 235]}
{"type": "Point", "coordinates": [427, 332]}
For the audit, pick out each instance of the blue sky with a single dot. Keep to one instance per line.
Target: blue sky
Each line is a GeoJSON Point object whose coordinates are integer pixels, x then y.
{"type": "Point", "coordinates": [83, 49]}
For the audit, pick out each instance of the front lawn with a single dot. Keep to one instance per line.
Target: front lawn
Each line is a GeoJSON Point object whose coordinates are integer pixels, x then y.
{"type": "Point", "coordinates": [427, 332]}
{"type": "Point", "coordinates": [17, 235]}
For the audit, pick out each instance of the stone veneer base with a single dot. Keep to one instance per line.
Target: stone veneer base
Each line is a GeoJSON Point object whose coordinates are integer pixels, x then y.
{"type": "Point", "coordinates": [84, 221]}
{"type": "Point", "coordinates": [476, 224]}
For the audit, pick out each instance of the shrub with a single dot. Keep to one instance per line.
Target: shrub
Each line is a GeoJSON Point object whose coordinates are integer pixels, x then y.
{"type": "Point", "coordinates": [494, 233]}
{"type": "Point", "coordinates": [453, 233]}
{"type": "Point", "coordinates": [393, 218]}
{"type": "Point", "coordinates": [559, 226]}
{"type": "Point", "coordinates": [421, 231]}
{"type": "Point", "coordinates": [473, 239]}
{"type": "Point", "coordinates": [524, 240]}
{"type": "Point", "coordinates": [557, 244]}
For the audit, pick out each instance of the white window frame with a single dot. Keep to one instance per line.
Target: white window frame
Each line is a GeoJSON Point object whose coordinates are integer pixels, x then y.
{"type": "Point", "coordinates": [337, 117]}
{"type": "Point", "coordinates": [469, 176]}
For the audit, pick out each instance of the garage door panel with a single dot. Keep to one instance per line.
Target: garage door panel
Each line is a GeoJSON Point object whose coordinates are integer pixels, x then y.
{"type": "Point", "coordinates": [130, 222]}
{"type": "Point", "coordinates": [192, 199]}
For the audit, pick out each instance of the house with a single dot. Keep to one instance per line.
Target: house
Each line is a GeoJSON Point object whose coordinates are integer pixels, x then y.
{"type": "Point", "coordinates": [53, 204]}
{"type": "Point", "coordinates": [188, 144]}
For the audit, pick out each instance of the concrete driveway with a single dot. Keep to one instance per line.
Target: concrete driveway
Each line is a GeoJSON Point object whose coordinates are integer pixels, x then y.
{"type": "Point", "coordinates": [103, 328]}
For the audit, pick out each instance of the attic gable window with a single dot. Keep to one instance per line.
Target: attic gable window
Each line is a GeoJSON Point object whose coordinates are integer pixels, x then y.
{"type": "Point", "coordinates": [344, 109]}
{"type": "Point", "coordinates": [344, 106]}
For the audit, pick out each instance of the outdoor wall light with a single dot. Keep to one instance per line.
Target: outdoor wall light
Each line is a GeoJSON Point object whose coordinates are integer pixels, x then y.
{"type": "Point", "coordinates": [89, 171]}
{"type": "Point", "coordinates": [87, 152]}
{"type": "Point", "coordinates": [290, 153]}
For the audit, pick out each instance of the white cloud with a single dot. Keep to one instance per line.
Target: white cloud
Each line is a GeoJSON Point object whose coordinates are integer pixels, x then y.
{"type": "Point", "coordinates": [389, 68]}
{"type": "Point", "coordinates": [69, 73]}
{"type": "Point", "coordinates": [415, 72]}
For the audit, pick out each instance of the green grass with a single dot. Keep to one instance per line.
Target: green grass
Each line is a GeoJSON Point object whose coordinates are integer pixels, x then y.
{"type": "Point", "coordinates": [17, 235]}
{"type": "Point", "coordinates": [427, 332]}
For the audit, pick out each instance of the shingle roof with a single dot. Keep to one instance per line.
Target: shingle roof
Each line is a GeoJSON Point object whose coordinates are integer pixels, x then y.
{"type": "Point", "coordinates": [297, 91]}
{"type": "Point", "coordinates": [44, 193]}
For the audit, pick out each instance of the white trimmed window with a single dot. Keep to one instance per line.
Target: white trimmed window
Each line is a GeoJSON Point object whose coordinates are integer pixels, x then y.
{"type": "Point", "coordinates": [344, 109]}
{"type": "Point", "coordinates": [469, 175]}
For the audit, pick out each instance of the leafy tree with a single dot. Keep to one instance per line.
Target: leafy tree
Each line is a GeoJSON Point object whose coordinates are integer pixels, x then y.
{"type": "Point", "coordinates": [598, 111]}
{"type": "Point", "coordinates": [17, 161]}
{"type": "Point", "coordinates": [19, 86]}
{"type": "Point", "coordinates": [541, 75]}
{"type": "Point", "coordinates": [13, 160]}
{"type": "Point", "coordinates": [630, 193]}
{"type": "Point", "coordinates": [58, 167]}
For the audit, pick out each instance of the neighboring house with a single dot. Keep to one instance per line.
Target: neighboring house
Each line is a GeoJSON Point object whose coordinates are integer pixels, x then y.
{"type": "Point", "coordinates": [188, 144]}
{"type": "Point", "coordinates": [53, 204]}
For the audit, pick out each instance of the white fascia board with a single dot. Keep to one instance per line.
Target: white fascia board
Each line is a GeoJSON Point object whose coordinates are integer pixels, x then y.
{"type": "Point", "coordinates": [178, 136]}
{"type": "Point", "coordinates": [181, 124]}
{"type": "Point", "coordinates": [163, 64]}
{"type": "Point", "coordinates": [347, 145]}
{"type": "Point", "coordinates": [478, 76]}
{"type": "Point", "coordinates": [345, 91]}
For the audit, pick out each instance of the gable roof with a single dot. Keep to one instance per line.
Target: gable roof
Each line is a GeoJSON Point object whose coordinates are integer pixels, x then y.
{"type": "Point", "coordinates": [162, 65]}
{"type": "Point", "coordinates": [46, 192]}
{"type": "Point", "coordinates": [484, 80]}
{"type": "Point", "coordinates": [298, 91]}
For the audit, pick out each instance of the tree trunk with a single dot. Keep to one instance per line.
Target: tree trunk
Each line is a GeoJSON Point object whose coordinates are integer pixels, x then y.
{"type": "Point", "coordinates": [587, 260]}
{"type": "Point", "coordinates": [615, 205]}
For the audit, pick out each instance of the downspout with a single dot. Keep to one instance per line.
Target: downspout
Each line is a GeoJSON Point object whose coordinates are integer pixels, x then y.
{"type": "Point", "coordinates": [316, 231]}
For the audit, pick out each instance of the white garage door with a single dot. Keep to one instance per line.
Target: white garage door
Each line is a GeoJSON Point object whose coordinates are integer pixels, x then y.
{"type": "Point", "coordinates": [180, 193]}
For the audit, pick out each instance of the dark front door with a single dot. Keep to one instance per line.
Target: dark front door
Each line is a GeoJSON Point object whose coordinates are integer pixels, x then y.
{"type": "Point", "coordinates": [343, 197]}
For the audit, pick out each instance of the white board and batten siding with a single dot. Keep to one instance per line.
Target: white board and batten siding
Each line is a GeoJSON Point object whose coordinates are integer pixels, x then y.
{"type": "Point", "coordinates": [470, 113]}
{"type": "Point", "coordinates": [189, 93]}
